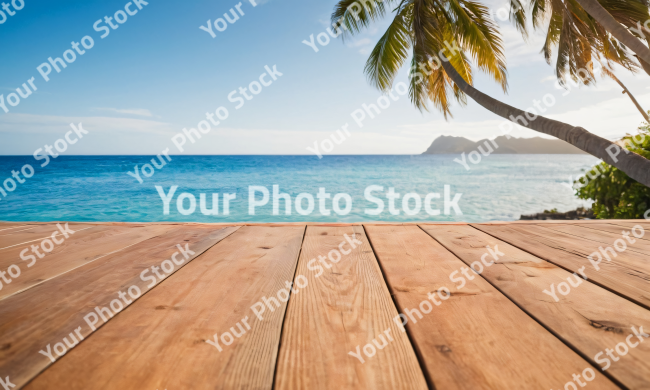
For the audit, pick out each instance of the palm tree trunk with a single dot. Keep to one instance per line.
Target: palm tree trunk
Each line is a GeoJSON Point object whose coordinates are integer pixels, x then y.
{"type": "Point", "coordinates": [635, 166]}
{"type": "Point", "coordinates": [619, 32]}
{"type": "Point", "coordinates": [625, 90]}
{"type": "Point", "coordinates": [644, 64]}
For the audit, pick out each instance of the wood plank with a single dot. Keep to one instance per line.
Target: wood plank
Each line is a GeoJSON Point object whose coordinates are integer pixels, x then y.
{"type": "Point", "coordinates": [615, 229]}
{"type": "Point", "coordinates": [12, 255]}
{"type": "Point", "coordinates": [45, 314]}
{"type": "Point", "coordinates": [208, 296]}
{"type": "Point", "coordinates": [81, 248]}
{"type": "Point", "coordinates": [562, 221]}
{"type": "Point", "coordinates": [347, 306]}
{"type": "Point", "coordinates": [22, 228]}
{"type": "Point", "coordinates": [629, 223]}
{"type": "Point", "coordinates": [589, 318]}
{"type": "Point", "coordinates": [4, 228]}
{"type": "Point", "coordinates": [628, 274]}
{"type": "Point", "coordinates": [476, 338]}
{"type": "Point", "coordinates": [34, 234]}
{"type": "Point", "coordinates": [639, 246]}
{"type": "Point", "coordinates": [17, 229]}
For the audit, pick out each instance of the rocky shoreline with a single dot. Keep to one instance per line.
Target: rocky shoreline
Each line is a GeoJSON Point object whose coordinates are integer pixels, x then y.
{"type": "Point", "coordinates": [579, 213]}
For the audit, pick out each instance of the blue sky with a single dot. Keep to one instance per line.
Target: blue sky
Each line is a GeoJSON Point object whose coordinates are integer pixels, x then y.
{"type": "Point", "coordinates": [159, 73]}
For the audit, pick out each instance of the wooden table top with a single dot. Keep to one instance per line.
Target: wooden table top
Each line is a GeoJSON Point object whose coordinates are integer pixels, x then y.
{"type": "Point", "coordinates": [502, 305]}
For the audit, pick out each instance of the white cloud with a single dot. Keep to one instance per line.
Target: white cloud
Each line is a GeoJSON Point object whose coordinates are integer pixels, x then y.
{"type": "Point", "coordinates": [28, 123]}
{"type": "Point", "coordinates": [365, 45]}
{"type": "Point", "coordinates": [518, 51]}
{"type": "Point", "coordinates": [471, 130]}
{"type": "Point", "coordinates": [360, 42]}
{"type": "Point", "coordinates": [610, 119]}
{"type": "Point", "coordinates": [135, 111]}
{"type": "Point", "coordinates": [284, 142]}
{"type": "Point", "coordinates": [137, 136]}
{"type": "Point", "coordinates": [22, 134]}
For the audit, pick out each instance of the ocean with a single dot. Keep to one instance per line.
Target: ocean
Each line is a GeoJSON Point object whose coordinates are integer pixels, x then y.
{"type": "Point", "coordinates": [98, 188]}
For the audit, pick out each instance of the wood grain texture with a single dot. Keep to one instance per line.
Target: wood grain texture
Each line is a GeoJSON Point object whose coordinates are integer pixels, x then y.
{"type": "Point", "coordinates": [81, 248]}
{"type": "Point", "coordinates": [605, 238]}
{"type": "Point", "coordinates": [477, 338]}
{"type": "Point", "coordinates": [617, 228]}
{"type": "Point", "coordinates": [45, 314]}
{"type": "Point", "coordinates": [347, 306]}
{"type": "Point", "coordinates": [160, 341]}
{"type": "Point", "coordinates": [33, 234]}
{"type": "Point", "coordinates": [6, 227]}
{"type": "Point", "coordinates": [624, 222]}
{"type": "Point", "coordinates": [589, 318]}
{"type": "Point", "coordinates": [10, 229]}
{"type": "Point", "coordinates": [628, 274]}
{"type": "Point", "coordinates": [563, 221]}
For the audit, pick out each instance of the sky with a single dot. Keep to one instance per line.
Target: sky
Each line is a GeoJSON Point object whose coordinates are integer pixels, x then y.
{"type": "Point", "coordinates": [159, 73]}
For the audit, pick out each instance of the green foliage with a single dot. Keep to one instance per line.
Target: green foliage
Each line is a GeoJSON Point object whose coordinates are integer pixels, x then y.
{"type": "Point", "coordinates": [615, 194]}
{"type": "Point", "coordinates": [461, 30]}
{"type": "Point", "coordinates": [552, 211]}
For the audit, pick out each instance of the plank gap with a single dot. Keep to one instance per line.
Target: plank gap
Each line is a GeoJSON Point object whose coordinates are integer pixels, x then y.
{"type": "Point", "coordinates": [533, 317]}
{"type": "Point", "coordinates": [286, 311]}
{"type": "Point", "coordinates": [418, 354]}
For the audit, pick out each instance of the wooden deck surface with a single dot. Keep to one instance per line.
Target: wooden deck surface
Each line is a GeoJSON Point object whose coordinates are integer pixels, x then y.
{"type": "Point", "coordinates": [522, 305]}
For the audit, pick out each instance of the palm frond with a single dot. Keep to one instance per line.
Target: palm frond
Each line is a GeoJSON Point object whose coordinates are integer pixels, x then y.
{"type": "Point", "coordinates": [438, 85]}
{"type": "Point", "coordinates": [581, 40]}
{"type": "Point", "coordinates": [480, 38]}
{"type": "Point", "coordinates": [574, 50]}
{"type": "Point", "coordinates": [539, 12]}
{"type": "Point", "coordinates": [552, 36]}
{"type": "Point", "coordinates": [628, 13]}
{"type": "Point", "coordinates": [518, 17]}
{"type": "Point", "coordinates": [355, 15]}
{"type": "Point", "coordinates": [390, 52]}
{"type": "Point", "coordinates": [429, 29]}
{"type": "Point", "coordinates": [417, 86]}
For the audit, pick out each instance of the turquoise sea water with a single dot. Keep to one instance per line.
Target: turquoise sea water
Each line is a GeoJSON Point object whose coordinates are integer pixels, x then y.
{"type": "Point", "coordinates": [97, 188]}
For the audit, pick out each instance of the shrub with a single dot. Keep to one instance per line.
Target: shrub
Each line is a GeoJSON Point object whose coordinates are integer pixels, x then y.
{"type": "Point", "coordinates": [614, 193]}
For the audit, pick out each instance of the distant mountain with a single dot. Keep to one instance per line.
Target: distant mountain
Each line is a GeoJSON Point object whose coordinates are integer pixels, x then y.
{"type": "Point", "coordinates": [457, 145]}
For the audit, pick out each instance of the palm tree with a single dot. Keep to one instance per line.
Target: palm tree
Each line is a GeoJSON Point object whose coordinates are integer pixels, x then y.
{"type": "Point", "coordinates": [462, 27]}
{"type": "Point", "coordinates": [581, 40]}
{"type": "Point", "coordinates": [615, 21]}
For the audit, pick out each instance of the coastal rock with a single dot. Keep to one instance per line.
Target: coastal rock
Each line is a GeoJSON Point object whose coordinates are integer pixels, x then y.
{"type": "Point", "coordinates": [456, 145]}
{"type": "Point", "coordinates": [579, 213]}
